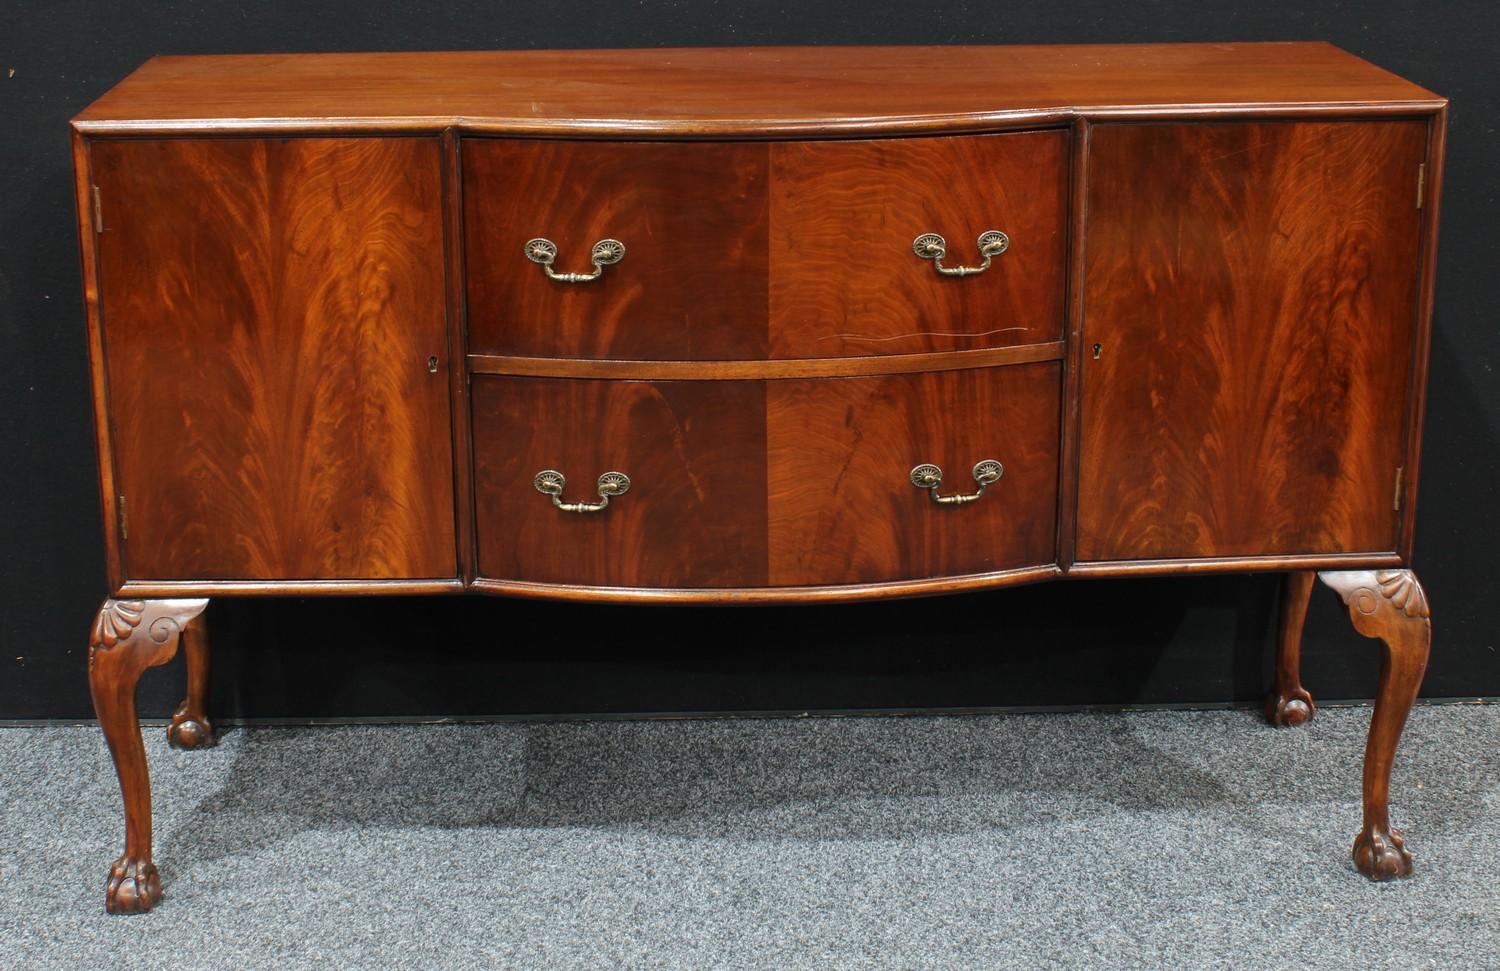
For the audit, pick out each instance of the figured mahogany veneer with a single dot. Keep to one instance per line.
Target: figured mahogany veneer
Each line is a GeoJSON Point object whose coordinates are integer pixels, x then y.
{"type": "Point", "coordinates": [274, 304]}
{"type": "Point", "coordinates": [692, 285]}
{"type": "Point", "coordinates": [766, 478]}
{"type": "Point", "coordinates": [805, 253]}
{"type": "Point", "coordinates": [843, 218]}
{"type": "Point", "coordinates": [322, 362]}
{"type": "Point", "coordinates": [1250, 287]}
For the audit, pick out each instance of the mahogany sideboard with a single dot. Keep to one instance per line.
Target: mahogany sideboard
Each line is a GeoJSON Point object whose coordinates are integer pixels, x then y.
{"type": "Point", "coordinates": [748, 325]}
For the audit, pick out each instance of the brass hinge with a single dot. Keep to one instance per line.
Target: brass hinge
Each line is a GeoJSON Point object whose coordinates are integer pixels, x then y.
{"type": "Point", "coordinates": [124, 523]}
{"type": "Point", "coordinates": [98, 210]}
{"type": "Point", "coordinates": [1396, 499]}
{"type": "Point", "coordinates": [1421, 183]}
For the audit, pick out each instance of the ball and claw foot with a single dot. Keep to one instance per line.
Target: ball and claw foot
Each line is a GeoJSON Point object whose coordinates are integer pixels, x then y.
{"type": "Point", "coordinates": [134, 887]}
{"type": "Point", "coordinates": [1291, 709]}
{"type": "Point", "coordinates": [1380, 854]}
{"type": "Point", "coordinates": [189, 732]}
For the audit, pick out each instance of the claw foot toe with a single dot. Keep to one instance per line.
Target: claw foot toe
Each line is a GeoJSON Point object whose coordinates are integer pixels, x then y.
{"type": "Point", "coordinates": [1381, 855]}
{"type": "Point", "coordinates": [1293, 708]}
{"type": "Point", "coordinates": [187, 732]}
{"type": "Point", "coordinates": [134, 887]}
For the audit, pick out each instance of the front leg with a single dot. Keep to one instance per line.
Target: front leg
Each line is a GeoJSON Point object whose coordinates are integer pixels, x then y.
{"type": "Point", "coordinates": [1389, 605]}
{"type": "Point", "coordinates": [128, 637]}
{"type": "Point", "coordinates": [190, 726]}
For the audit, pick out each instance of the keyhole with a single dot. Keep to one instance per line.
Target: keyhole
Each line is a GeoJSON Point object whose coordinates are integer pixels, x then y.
{"type": "Point", "coordinates": [1098, 349]}
{"type": "Point", "coordinates": [432, 362]}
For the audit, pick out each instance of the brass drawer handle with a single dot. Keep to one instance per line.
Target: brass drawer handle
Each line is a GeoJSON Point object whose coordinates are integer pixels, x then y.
{"type": "Point", "coordinates": [550, 482]}
{"type": "Point", "coordinates": [930, 477]}
{"type": "Point", "coordinates": [931, 246]}
{"type": "Point", "coordinates": [604, 253]}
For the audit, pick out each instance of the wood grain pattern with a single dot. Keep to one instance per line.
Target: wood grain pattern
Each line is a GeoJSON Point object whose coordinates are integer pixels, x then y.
{"type": "Point", "coordinates": [1252, 289]}
{"type": "Point", "coordinates": [270, 308]}
{"type": "Point", "coordinates": [695, 515]}
{"type": "Point", "coordinates": [746, 91]}
{"type": "Point", "coordinates": [692, 284]}
{"type": "Point", "coordinates": [843, 509]}
{"type": "Point", "coordinates": [844, 279]}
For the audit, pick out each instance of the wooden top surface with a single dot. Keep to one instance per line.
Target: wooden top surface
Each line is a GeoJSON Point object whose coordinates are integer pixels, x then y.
{"type": "Point", "coordinates": [742, 91]}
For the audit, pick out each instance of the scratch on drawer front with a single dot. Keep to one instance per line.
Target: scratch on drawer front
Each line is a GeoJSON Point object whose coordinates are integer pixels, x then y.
{"type": "Point", "coordinates": [920, 333]}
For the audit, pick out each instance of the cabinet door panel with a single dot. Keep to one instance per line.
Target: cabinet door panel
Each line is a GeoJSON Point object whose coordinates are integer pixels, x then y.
{"type": "Point", "coordinates": [1250, 289]}
{"type": "Point", "coordinates": [269, 309]}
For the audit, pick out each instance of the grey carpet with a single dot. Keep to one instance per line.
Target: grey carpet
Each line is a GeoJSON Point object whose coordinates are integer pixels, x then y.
{"type": "Point", "coordinates": [1098, 841]}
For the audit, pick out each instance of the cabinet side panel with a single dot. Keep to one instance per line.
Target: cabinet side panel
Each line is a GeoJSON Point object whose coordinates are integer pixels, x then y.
{"type": "Point", "coordinates": [270, 308]}
{"type": "Point", "coordinates": [84, 194]}
{"type": "Point", "coordinates": [1250, 289]}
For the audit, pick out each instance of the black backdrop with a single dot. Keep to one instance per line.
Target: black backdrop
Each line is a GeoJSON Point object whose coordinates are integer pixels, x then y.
{"type": "Point", "coordinates": [1198, 641]}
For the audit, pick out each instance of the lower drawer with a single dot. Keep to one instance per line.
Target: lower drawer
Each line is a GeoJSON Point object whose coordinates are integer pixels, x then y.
{"type": "Point", "coordinates": [787, 482]}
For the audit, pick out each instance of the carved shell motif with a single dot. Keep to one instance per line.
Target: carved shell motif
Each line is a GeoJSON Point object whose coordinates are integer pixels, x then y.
{"type": "Point", "coordinates": [116, 620]}
{"type": "Point", "coordinates": [1404, 593]}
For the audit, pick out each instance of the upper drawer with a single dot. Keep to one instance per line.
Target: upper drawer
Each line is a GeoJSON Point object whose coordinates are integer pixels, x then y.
{"type": "Point", "coordinates": [845, 279]}
{"type": "Point", "coordinates": [746, 251]}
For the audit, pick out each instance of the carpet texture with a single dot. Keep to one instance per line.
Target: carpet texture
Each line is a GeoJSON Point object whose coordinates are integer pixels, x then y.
{"type": "Point", "coordinates": [1097, 841]}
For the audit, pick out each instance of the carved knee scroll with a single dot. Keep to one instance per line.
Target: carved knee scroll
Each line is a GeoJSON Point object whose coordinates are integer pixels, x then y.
{"type": "Point", "coordinates": [128, 637]}
{"type": "Point", "coordinates": [1389, 605]}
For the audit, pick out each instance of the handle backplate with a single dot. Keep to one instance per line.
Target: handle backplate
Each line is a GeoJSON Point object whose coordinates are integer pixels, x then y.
{"type": "Point", "coordinates": [550, 482]}
{"type": "Point", "coordinates": [605, 252]}
{"type": "Point", "coordinates": [927, 476]}
{"type": "Point", "coordinates": [931, 246]}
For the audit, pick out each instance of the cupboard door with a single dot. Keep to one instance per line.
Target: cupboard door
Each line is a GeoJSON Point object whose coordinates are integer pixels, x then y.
{"type": "Point", "coordinates": [1249, 307]}
{"type": "Point", "coordinates": [269, 308]}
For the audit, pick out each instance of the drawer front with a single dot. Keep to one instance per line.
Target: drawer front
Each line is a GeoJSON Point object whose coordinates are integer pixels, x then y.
{"type": "Point", "coordinates": [844, 216]}
{"type": "Point", "coordinates": [799, 482]}
{"type": "Point", "coordinates": [691, 284]}
{"type": "Point", "coordinates": [753, 251]}
{"type": "Point", "coordinates": [694, 451]}
{"type": "Point", "coordinates": [843, 507]}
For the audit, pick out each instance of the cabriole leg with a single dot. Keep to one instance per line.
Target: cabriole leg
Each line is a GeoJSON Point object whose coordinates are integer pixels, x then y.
{"type": "Point", "coordinates": [1289, 703]}
{"type": "Point", "coordinates": [1389, 605]}
{"type": "Point", "coordinates": [128, 637]}
{"type": "Point", "coordinates": [190, 726]}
